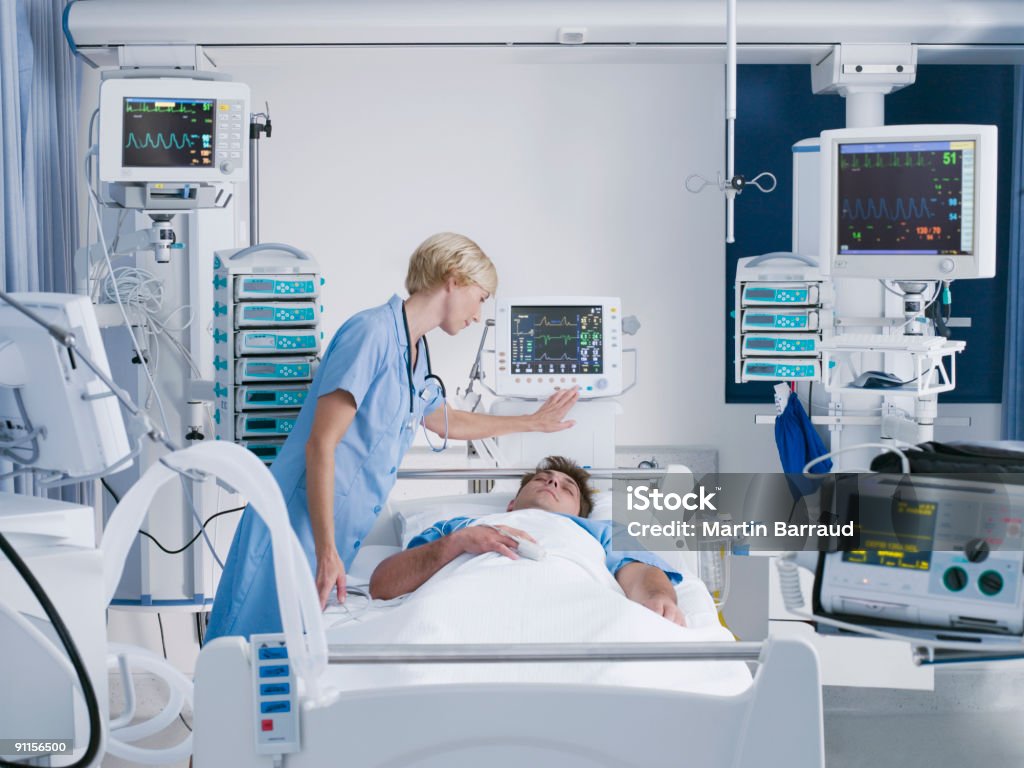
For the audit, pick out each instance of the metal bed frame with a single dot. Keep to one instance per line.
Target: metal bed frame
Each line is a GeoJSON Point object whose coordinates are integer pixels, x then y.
{"type": "Point", "coordinates": [776, 721]}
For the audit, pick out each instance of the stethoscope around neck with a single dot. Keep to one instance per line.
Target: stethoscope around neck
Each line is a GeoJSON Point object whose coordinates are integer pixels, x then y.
{"type": "Point", "coordinates": [429, 391]}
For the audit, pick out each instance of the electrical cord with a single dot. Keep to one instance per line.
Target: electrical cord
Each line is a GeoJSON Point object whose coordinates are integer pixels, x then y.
{"type": "Point", "coordinates": [202, 525]}
{"type": "Point", "coordinates": [163, 646]}
{"type": "Point", "coordinates": [193, 540]}
{"type": "Point", "coordinates": [84, 681]}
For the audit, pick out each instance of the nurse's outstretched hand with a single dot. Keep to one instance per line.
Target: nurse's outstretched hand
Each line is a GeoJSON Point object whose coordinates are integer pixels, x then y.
{"type": "Point", "coordinates": [550, 417]}
{"type": "Point", "coordinates": [330, 574]}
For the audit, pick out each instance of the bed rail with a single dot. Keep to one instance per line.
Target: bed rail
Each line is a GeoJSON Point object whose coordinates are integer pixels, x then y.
{"type": "Point", "coordinates": [541, 652]}
{"type": "Point", "coordinates": [505, 473]}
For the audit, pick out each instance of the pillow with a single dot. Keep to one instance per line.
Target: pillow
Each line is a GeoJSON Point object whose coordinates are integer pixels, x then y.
{"type": "Point", "coordinates": [602, 507]}
{"type": "Point", "coordinates": [367, 560]}
{"type": "Point", "coordinates": [414, 517]}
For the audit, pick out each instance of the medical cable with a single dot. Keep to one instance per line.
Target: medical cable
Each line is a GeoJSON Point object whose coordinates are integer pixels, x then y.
{"type": "Point", "coordinates": [190, 542]}
{"type": "Point", "coordinates": [195, 516]}
{"type": "Point", "coordinates": [31, 436]}
{"type": "Point", "coordinates": [163, 647]}
{"type": "Point", "coordinates": [93, 199]}
{"type": "Point", "coordinates": [792, 596]}
{"type": "Point", "coordinates": [84, 681]}
{"type": "Point", "coordinates": [371, 604]}
{"type": "Point", "coordinates": [904, 462]}
{"type": "Point", "coordinates": [67, 339]}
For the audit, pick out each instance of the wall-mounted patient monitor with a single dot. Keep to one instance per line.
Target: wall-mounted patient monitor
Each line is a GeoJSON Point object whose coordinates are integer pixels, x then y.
{"type": "Point", "coordinates": [909, 202]}
{"type": "Point", "coordinates": [553, 342]}
{"type": "Point", "coordinates": [173, 130]}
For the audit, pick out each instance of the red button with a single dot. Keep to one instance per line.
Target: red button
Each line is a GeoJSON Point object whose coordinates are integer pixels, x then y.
{"type": "Point", "coordinates": [267, 725]}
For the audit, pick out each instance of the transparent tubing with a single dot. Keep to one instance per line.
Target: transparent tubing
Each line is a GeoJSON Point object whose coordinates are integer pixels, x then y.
{"type": "Point", "coordinates": [180, 692]}
{"type": "Point", "coordinates": [240, 470]}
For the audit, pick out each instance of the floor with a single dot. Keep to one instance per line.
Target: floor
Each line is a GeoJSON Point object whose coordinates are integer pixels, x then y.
{"type": "Point", "coordinates": [974, 717]}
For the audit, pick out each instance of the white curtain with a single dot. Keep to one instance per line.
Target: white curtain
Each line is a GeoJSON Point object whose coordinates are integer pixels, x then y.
{"type": "Point", "coordinates": [1013, 370]}
{"type": "Point", "coordinates": [39, 85]}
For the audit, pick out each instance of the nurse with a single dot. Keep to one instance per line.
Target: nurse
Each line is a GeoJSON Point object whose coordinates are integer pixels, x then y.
{"type": "Point", "coordinates": [369, 395]}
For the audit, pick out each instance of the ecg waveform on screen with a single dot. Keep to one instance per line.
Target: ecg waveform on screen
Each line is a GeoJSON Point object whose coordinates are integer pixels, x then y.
{"type": "Point", "coordinates": [168, 133]}
{"type": "Point", "coordinates": [160, 141]}
{"type": "Point", "coordinates": [556, 340]}
{"type": "Point", "coordinates": [168, 107]}
{"type": "Point", "coordinates": [874, 209]}
{"type": "Point", "coordinates": [903, 201]}
{"type": "Point", "coordinates": [870, 160]}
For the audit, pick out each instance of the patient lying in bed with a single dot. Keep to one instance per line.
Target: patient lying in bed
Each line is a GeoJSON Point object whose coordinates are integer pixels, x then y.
{"type": "Point", "coordinates": [461, 581]}
{"type": "Point", "coordinates": [559, 496]}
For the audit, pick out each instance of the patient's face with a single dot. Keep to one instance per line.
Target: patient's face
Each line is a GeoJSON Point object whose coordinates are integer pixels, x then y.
{"type": "Point", "coordinates": [551, 491]}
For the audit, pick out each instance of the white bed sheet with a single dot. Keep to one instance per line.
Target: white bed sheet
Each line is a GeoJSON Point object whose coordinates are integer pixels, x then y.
{"type": "Point", "coordinates": [567, 597]}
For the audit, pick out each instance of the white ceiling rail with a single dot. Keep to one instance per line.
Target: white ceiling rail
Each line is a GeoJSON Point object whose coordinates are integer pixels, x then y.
{"type": "Point", "coordinates": [952, 27]}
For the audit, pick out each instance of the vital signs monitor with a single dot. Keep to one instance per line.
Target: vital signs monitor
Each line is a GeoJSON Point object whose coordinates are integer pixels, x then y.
{"type": "Point", "coordinates": [909, 202]}
{"type": "Point", "coordinates": [173, 130]}
{"type": "Point", "coordinates": [554, 342]}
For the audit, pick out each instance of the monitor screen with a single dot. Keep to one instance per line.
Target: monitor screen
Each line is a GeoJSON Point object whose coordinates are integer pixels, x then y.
{"type": "Point", "coordinates": [908, 202]}
{"type": "Point", "coordinates": [168, 133]}
{"type": "Point", "coordinates": [557, 339]}
{"type": "Point", "coordinates": [896, 533]}
{"type": "Point", "coordinates": [906, 197]}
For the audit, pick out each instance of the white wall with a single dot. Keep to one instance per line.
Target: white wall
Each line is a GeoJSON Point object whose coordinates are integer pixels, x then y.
{"type": "Point", "coordinates": [567, 166]}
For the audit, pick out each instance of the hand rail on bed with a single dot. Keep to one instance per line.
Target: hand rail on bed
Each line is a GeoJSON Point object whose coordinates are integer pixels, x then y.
{"type": "Point", "coordinates": [505, 473]}
{"type": "Point", "coordinates": [545, 652]}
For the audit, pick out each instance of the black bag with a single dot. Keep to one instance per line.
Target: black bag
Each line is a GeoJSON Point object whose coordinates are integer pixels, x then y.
{"type": "Point", "coordinates": [983, 461]}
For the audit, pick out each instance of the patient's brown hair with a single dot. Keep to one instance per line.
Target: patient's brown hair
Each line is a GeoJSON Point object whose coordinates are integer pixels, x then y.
{"type": "Point", "coordinates": [568, 467]}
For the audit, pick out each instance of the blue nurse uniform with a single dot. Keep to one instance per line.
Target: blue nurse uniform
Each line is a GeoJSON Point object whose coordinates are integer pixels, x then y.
{"type": "Point", "coordinates": [368, 357]}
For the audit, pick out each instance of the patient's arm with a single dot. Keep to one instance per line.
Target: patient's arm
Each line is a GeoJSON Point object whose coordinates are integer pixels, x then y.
{"type": "Point", "coordinates": [650, 587]}
{"type": "Point", "coordinates": [406, 571]}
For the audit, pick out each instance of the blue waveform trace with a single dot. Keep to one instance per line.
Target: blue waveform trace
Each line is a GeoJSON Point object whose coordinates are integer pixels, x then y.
{"type": "Point", "coordinates": [872, 209]}
{"type": "Point", "coordinates": [160, 142]}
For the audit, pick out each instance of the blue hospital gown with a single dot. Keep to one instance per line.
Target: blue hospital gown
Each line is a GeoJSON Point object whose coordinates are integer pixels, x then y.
{"type": "Point", "coordinates": [600, 529]}
{"type": "Point", "coordinates": [368, 358]}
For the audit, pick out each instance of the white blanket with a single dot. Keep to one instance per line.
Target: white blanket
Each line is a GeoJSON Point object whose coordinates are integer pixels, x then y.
{"type": "Point", "coordinates": [567, 597]}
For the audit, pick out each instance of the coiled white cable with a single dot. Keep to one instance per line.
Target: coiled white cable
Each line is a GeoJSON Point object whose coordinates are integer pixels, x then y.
{"type": "Point", "coordinates": [789, 583]}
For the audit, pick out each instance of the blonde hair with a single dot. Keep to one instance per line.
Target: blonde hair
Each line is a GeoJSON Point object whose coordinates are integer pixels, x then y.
{"type": "Point", "coordinates": [446, 255]}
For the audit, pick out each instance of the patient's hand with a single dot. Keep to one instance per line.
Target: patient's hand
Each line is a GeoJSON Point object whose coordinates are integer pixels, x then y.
{"type": "Point", "coordinates": [477, 539]}
{"type": "Point", "coordinates": [664, 606]}
{"type": "Point", "coordinates": [650, 587]}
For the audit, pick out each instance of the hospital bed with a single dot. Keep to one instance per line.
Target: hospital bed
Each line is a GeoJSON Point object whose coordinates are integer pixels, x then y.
{"type": "Point", "coordinates": [668, 696]}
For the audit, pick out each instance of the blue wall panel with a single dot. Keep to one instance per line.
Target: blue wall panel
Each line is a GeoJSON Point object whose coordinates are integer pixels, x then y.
{"type": "Point", "coordinates": [775, 109]}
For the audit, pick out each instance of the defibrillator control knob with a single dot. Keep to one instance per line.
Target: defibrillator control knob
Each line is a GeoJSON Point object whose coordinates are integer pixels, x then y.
{"type": "Point", "coordinates": [976, 550]}
{"type": "Point", "coordinates": [955, 578]}
{"type": "Point", "coordinates": [990, 583]}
